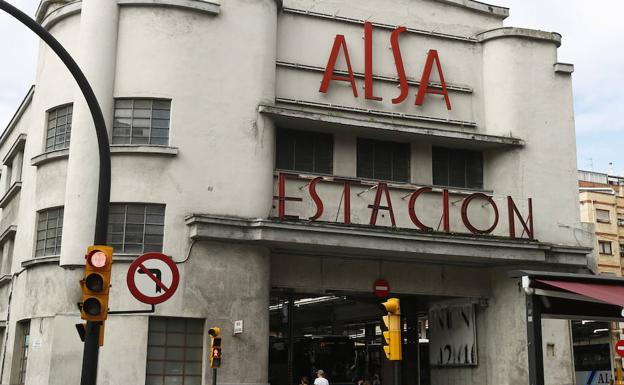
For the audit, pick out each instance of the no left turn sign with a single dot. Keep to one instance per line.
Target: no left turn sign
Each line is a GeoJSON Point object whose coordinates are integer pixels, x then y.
{"type": "Point", "coordinates": [153, 278]}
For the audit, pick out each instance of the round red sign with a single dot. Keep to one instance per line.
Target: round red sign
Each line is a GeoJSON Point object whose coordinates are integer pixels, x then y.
{"type": "Point", "coordinates": [381, 288]}
{"type": "Point", "coordinates": [619, 348]}
{"type": "Point", "coordinates": [153, 278]}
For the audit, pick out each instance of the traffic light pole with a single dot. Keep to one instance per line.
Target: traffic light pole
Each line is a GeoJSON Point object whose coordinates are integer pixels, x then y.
{"type": "Point", "coordinates": [396, 367]}
{"type": "Point", "coordinates": [214, 376]}
{"type": "Point", "coordinates": [91, 347]}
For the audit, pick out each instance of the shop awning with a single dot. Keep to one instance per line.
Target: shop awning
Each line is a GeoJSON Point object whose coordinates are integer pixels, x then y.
{"type": "Point", "coordinates": [608, 293]}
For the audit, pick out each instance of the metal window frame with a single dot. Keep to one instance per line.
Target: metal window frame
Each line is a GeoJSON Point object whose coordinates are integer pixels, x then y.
{"type": "Point", "coordinates": [58, 239]}
{"type": "Point", "coordinates": [314, 142]}
{"type": "Point", "coordinates": [448, 151]}
{"type": "Point", "coordinates": [151, 118]}
{"type": "Point", "coordinates": [184, 360]}
{"type": "Point", "coordinates": [145, 223]}
{"type": "Point", "coordinates": [392, 160]}
{"type": "Point", "coordinates": [67, 124]}
{"type": "Point", "coordinates": [23, 358]}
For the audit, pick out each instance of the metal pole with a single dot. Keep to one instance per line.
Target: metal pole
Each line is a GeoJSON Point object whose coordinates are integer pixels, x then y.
{"type": "Point", "coordinates": [534, 339]}
{"type": "Point", "coordinates": [91, 347]}
{"type": "Point", "coordinates": [214, 376]}
{"type": "Point", "coordinates": [397, 372]}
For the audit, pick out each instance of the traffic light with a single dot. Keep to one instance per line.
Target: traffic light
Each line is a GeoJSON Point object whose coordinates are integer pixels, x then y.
{"type": "Point", "coordinates": [392, 335]}
{"type": "Point", "coordinates": [215, 347]}
{"type": "Point", "coordinates": [96, 283]}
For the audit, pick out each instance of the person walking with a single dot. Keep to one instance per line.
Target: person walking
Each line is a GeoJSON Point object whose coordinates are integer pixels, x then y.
{"type": "Point", "coordinates": [320, 378]}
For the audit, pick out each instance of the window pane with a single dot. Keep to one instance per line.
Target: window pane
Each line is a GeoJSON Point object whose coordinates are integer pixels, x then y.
{"type": "Point", "coordinates": [127, 225]}
{"type": "Point", "coordinates": [59, 126]}
{"type": "Point", "coordinates": [49, 231]}
{"type": "Point", "coordinates": [141, 121]}
{"type": "Point", "coordinates": [457, 168]}
{"type": "Point", "coordinates": [383, 160]}
{"type": "Point", "coordinates": [304, 151]}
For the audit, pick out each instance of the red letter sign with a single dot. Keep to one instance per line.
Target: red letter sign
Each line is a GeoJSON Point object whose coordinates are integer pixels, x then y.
{"type": "Point", "coordinates": [423, 88]}
{"type": "Point", "coordinates": [368, 62]}
{"type": "Point", "coordinates": [466, 220]}
{"type": "Point", "coordinates": [511, 208]}
{"type": "Point", "coordinates": [381, 188]}
{"type": "Point", "coordinates": [398, 62]}
{"type": "Point", "coordinates": [412, 211]}
{"type": "Point", "coordinates": [317, 200]}
{"type": "Point", "coordinates": [331, 64]}
{"type": "Point", "coordinates": [282, 198]}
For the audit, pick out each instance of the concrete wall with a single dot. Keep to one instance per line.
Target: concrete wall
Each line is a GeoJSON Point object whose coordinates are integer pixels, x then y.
{"type": "Point", "coordinates": [217, 68]}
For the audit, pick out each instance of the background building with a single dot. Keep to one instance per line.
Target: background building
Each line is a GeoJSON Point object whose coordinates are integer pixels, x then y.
{"type": "Point", "coordinates": [236, 150]}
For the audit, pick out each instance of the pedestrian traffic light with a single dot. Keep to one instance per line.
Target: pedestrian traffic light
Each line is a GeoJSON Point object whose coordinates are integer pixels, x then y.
{"type": "Point", "coordinates": [96, 283]}
{"type": "Point", "coordinates": [392, 335]}
{"type": "Point", "coordinates": [215, 347]}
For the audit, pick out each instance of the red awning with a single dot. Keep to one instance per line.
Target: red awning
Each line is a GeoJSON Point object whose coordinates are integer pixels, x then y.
{"type": "Point", "coordinates": [612, 294]}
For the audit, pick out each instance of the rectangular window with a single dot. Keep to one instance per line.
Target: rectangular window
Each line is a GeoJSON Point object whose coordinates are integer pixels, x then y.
{"type": "Point", "coordinates": [304, 151]}
{"type": "Point", "coordinates": [23, 341]}
{"type": "Point", "coordinates": [603, 216]}
{"type": "Point", "coordinates": [136, 228]}
{"type": "Point", "coordinates": [141, 121]}
{"type": "Point", "coordinates": [49, 232]}
{"type": "Point", "coordinates": [621, 250]}
{"type": "Point", "coordinates": [604, 247]}
{"type": "Point", "coordinates": [174, 351]}
{"type": "Point", "coordinates": [457, 168]}
{"type": "Point", "coordinates": [383, 160]}
{"type": "Point", "coordinates": [59, 127]}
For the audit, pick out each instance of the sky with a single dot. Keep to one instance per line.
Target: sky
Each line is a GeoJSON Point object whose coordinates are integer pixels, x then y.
{"type": "Point", "coordinates": [593, 41]}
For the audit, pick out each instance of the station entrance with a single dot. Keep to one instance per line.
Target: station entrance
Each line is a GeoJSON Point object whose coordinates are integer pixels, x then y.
{"type": "Point", "coordinates": [341, 333]}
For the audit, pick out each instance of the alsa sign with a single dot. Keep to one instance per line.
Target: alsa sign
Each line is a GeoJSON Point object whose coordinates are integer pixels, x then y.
{"type": "Point", "coordinates": [383, 203]}
{"type": "Point", "coordinates": [340, 44]}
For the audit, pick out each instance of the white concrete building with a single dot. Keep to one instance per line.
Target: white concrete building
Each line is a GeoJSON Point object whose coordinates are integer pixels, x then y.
{"type": "Point", "coordinates": [228, 128]}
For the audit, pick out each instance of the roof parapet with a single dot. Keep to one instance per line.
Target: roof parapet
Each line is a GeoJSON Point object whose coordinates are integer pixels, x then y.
{"type": "Point", "coordinates": [493, 10]}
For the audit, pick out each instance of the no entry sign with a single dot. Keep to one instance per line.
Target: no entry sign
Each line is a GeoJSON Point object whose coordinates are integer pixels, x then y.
{"type": "Point", "coordinates": [381, 288]}
{"type": "Point", "coordinates": [153, 278]}
{"type": "Point", "coordinates": [619, 348]}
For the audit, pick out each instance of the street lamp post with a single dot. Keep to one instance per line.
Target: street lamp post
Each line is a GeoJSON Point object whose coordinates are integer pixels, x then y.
{"type": "Point", "coordinates": [91, 346]}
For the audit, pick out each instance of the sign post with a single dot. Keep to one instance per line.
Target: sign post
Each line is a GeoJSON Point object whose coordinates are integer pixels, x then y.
{"type": "Point", "coordinates": [92, 335]}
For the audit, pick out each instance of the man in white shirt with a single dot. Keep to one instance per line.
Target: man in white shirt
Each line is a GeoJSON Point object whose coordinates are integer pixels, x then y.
{"type": "Point", "coordinates": [320, 378]}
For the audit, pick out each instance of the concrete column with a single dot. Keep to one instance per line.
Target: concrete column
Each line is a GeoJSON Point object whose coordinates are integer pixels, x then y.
{"type": "Point", "coordinates": [96, 57]}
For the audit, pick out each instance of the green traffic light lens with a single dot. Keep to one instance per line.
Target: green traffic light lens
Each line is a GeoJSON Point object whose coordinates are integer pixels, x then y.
{"type": "Point", "coordinates": [94, 282]}
{"type": "Point", "coordinates": [92, 306]}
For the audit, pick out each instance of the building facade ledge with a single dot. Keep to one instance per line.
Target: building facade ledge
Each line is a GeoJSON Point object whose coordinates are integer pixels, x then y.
{"type": "Point", "coordinates": [10, 194]}
{"type": "Point", "coordinates": [522, 33]}
{"type": "Point", "coordinates": [4, 279]}
{"type": "Point", "coordinates": [143, 149]}
{"type": "Point", "coordinates": [55, 259]}
{"type": "Point", "coordinates": [49, 156]}
{"type": "Point", "coordinates": [62, 12]}
{"type": "Point", "coordinates": [293, 114]}
{"type": "Point", "coordinates": [9, 232]}
{"type": "Point", "coordinates": [494, 10]}
{"type": "Point", "coordinates": [564, 68]}
{"type": "Point", "coordinates": [212, 7]}
{"type": "Point", "coordinates": [116, 149]}
{"type": "Point", "coordinates": [361, 241]}
{"type": "Point", "coordinates": [16, 147]}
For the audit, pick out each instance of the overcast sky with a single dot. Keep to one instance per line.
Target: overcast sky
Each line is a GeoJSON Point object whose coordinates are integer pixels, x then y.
{"type": "Point", "coordinates": [593, 33]}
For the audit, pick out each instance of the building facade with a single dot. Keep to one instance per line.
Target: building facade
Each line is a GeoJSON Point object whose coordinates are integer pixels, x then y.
{"type": "Point", "coordinates": [287, 155]}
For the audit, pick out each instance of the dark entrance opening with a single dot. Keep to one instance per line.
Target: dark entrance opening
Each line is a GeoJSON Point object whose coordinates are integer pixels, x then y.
{"type": "Point", "coordinates": [341, 333]}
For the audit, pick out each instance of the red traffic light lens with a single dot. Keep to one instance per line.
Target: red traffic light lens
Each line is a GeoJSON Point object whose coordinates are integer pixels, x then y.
{"type": "Point", "coordinates": [94, 282]}
{"type": "Point", "coordinates": [92, 306]}
{"type": "Point", "coordinates": [98, 259]}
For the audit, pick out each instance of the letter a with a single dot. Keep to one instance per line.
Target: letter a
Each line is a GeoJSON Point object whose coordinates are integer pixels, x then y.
{"type": "Point", "coordinates": [329, 75]}
{"type": "Point", "coordinates": [423, 88]}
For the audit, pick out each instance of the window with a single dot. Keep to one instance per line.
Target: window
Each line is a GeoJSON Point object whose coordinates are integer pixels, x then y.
{"type": "Point", "coordinates": [602, 216]}
{"type": "Point", "coordinates": [383, 160]}
{"type": "Point", "coordinates": [621, 250]}
{"type": "Point", "coordinates": [141, 121]}
{"type": "Point", "coordinates": [21, 351]}
{"type": "Point", "coordinates": [6, 255]}
{"type": "Point", "coordinates": [457, 168]}
{"type": "Point", "coordinates": [49, 232]}
{"type": "Point", "coordinates": [59, 127]}
{"type": "Point", "coordinates": [136, 228]}
{"type": "Point", "coordinates": [605, 247]}
{"type": "Point", "coordinates": [304, 151]}
{"type": "Point", "coordinates": [174, 351]}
